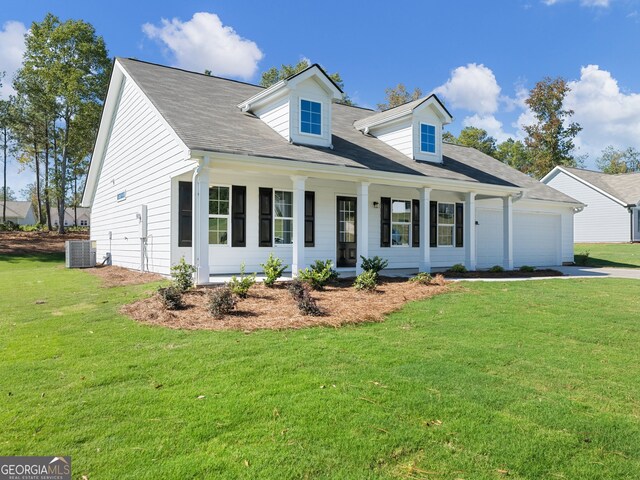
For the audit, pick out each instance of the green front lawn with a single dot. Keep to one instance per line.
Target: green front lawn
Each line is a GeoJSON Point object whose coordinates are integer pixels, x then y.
{"type": "Point", "coordinates": [530, 380]}
{"type": "Point", "coordinates": [622, 255]}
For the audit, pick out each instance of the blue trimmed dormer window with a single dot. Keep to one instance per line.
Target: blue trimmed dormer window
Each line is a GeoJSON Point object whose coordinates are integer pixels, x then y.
{"type": "Point", "coordinates": [310, 117]}
{"type": "Point", "coordinates": [427, 138]}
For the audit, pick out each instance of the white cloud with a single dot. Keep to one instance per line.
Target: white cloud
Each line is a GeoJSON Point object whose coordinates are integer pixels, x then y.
{"type": "Point", "coordinates": [11, 50]}
{"type": "Point", "coordinates": [491, 124]}
{"type": "Point", "coordinates": [584, 3]}
{"type": "Point", "coordinates": [205, 43]}
{"type": "Point", "coordinates": [608, 116]}
{"type": "Point", "coordinates": [472, 87]}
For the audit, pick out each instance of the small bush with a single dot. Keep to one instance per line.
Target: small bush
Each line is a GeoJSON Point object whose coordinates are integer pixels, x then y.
{"type": "Point", "coordinates": [458, 268]}
{"type": "Point", "coordinates": [319, 274]}
{"type": "Point", "coordinates": [9, 226]}
{"type": "Point", "coordinates": [367, 280]}
{"type": "Point", "coordinates": [240, 286]}
{"type": "Point", "coordinates": [306, 303]}
{"type": "Point", "coordinates": [171, 297]}
{"type": "Point", "coordinates": [374, 264]}
{"type": "Point", "coordinates": [182, 275]}
{"type": "Point", "coordinates": [221, 302]}
{"type": "Point", "coordinates": [496, 269]}
{"type": "Point", "coordinates": [423, 278]}
{"type": "Point", "coordinates": [527, 268]}
{"type": "Point", "coordinates": [273, 269]}
{"type": "Point", "coordinates": [582, 258]}
{"type": "Point", "coordinates": [38, 227]}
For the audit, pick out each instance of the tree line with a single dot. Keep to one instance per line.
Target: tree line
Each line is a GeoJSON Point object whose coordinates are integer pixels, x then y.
{"type": "Point", "coordinates": [50, 123]}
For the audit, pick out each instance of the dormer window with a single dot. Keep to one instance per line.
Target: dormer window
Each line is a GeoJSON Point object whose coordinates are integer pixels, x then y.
{"type": "Point", "coordinates": [310, 117]}
{"type": "Point", "coordinates": [427, 138]}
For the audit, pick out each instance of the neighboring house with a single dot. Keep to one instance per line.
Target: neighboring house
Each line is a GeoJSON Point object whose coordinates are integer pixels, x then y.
{"type": "Point", "coordinates": [611, 213]}
{"type": "Point", "coordinates": [81, 214]}
{"type": "Point", "coordinates": [223, 172]}
{"type": "Point", "coordinates": [19, 212]}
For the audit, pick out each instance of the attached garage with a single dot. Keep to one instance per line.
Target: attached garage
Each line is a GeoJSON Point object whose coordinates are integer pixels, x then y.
{"type": "Point", "coordinates": [537, 239]}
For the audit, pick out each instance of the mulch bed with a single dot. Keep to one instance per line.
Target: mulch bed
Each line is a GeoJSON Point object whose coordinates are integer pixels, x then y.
{"type": "Point", "coordinates": [545, 272]}
{"type": "Point", "coordinates": [29, 243]}
{"type": "Point", "coordinates": [112, 276]}
{"type": "Point", "coordinates": [274, 308]}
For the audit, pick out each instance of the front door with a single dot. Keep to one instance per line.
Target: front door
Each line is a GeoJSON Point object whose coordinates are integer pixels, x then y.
{"type": "Point", "coordinates": [346, 241]}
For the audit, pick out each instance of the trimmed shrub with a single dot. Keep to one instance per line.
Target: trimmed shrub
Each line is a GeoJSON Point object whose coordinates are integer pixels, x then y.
{"type": "Point", "coordinates": [273, 269]}
{"type": "Point", "coordinates": [182, 275]}
{"type": "Point", "coordinates": [221, 302]}
{"type": "Point", "coordinates": [458, 268]}
{"type": "Point", "coordinates": [171, 297]}
{"type": "Point", "coordinates": [240, 286]}
{"type": "Point", "coordinates": [319, 274]}
{"type": "Point", "coordinates": [423, 278]}
{"type": "Point", "coordinates": [496, 269]}
{"type": "Point", "coordinates": [374, 264]}
{"type": "Point", "coordinates": [367, 280]}
{"type": "Point", "coordinates": [582, 258]}
{"type": "Point", "coordinates": [9, 226]}
{"type": "Point", "coordinates": [527, 268]}
{"type": "Point", "coordinates": [306, 303]}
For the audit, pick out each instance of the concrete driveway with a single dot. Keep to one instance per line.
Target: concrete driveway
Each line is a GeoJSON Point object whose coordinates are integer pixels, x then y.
{"type": "Point", "coordinates": [569, 273]}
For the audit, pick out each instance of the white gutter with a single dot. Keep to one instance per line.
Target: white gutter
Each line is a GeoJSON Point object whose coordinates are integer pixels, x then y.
{"type": "Point", "coordinates": [342, 172]}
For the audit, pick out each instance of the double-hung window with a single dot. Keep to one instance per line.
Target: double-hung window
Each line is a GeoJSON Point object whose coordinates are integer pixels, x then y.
{"type": "Point", "coordinates": [311, 117]}
{"type": "Point", "coordinates": [283, 217]}
{"type": "Point", "coordinates": [219, 207]}
{"type": "Point", "coordinates": [400, 222]}
{"type": "Point", "coordinates": [427, 138]}
{"type": "Point", "coordinates": [446, 224]}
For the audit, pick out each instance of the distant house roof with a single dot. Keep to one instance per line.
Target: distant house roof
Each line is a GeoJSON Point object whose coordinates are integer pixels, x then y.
{"type": "Point", "coordinates": [623, 186]}
{"type": "Point", "coordinates": [203, 111]}
{"type": "Point", "coordinates": [16, 209]}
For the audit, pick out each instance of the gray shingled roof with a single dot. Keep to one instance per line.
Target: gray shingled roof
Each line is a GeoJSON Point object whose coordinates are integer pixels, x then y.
{"type": "Point", "coordinates": [204, 114]}
{"type": "Point", "coordinates": [391, 112]}
{"type": "Point", "coordinates": [16, 209]}
{"type": "Point", "coordinates": [624, 186]}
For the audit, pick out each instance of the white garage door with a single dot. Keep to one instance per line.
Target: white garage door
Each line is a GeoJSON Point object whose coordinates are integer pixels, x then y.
{"type": "Point", "coordinates": [489, 238]}
{"type": "Point", "coordinates": [536, 239]}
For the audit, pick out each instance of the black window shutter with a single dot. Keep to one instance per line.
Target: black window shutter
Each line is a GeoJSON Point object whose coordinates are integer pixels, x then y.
{"type": "Point", "coordinates": [385, 222]}
{"type": "Point", "coordinates": [415, 223]}
{"type": "Point", "coordinates": [238, 216]}
{"type": "Point", "coordinates": [265, 212]}
{"type": "Point", "coordinates": [309, 218]}
{"type": "Point", "coordinates": [185, 206]}
{"type": "Point", "coordinates": [459, 224]}
{"type": "Point", "coordinates": [433, 224]}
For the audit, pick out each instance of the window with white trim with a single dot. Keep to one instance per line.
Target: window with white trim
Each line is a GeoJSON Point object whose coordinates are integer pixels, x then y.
{"type": "Point", "coordinates": [282, 217]}
{"type": "Point", "coordinates": [219, 208]}
{"type": "Point", "coordinates": [310, 117]}
{"type": "Point", "coordinates": [400, 222]}
{"type": "Point", "coordinates": [427, 138]}
{"type": "Point", "coordinates": [446, 224]}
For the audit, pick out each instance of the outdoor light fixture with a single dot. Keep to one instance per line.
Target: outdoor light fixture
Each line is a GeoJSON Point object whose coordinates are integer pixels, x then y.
{"type": "Point", "coordinates": [375, 204]}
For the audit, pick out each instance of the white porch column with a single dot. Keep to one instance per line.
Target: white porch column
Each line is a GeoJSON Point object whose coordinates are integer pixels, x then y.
{"type": "Point", "coordinates": [425, 230]}
{"type": "Point", "coordinates": [470, 231]}
{"type": "Point", "coordinates": [297, 263]}
{"type": "Point", "coordinates": [200, 237]}
{"type": "Point", "coordinates": [362, 225]}
{"type": "Point", "coordinates": [507, 232]}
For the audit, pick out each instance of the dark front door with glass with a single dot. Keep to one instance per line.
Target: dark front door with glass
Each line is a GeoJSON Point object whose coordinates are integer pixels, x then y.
{"type": "Point", "coordinates": [346, 241]}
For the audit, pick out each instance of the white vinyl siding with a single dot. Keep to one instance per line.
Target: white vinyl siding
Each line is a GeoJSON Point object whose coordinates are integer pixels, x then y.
{"type": "Point", "coordinates": [397, 136]}
{"type": "Point", "coordinates": [141, 156]}
{"type": "Point", "coordinates": [277, 117]}
{"type": "Point", "coordinates": [602, 220]}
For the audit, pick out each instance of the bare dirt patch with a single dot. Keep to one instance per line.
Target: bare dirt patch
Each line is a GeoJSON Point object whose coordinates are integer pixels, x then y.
{"type": "Point", "coordinates": [273, 308]}
{"type": "Point", "coordinates": [543, 272]}
{"type": "Point", "coordinates": [29, 243]}
{"type": "Point", "coordinates": [112, 276]}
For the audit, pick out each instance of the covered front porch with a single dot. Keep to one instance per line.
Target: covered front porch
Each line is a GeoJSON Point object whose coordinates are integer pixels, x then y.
{"type": "Point", "coordinates": [301, 218]}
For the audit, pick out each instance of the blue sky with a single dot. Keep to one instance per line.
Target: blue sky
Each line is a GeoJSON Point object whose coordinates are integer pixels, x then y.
{"type": "Point", "coordinates": [480, 57]}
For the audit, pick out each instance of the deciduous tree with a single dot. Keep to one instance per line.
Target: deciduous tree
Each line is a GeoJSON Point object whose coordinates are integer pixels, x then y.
{"type": "Point", "coordinates": [551, 138]}
{"type": "Point", "coordinates": [399, 95]}
{"type": "Point", "coordinates": [614, 161]}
